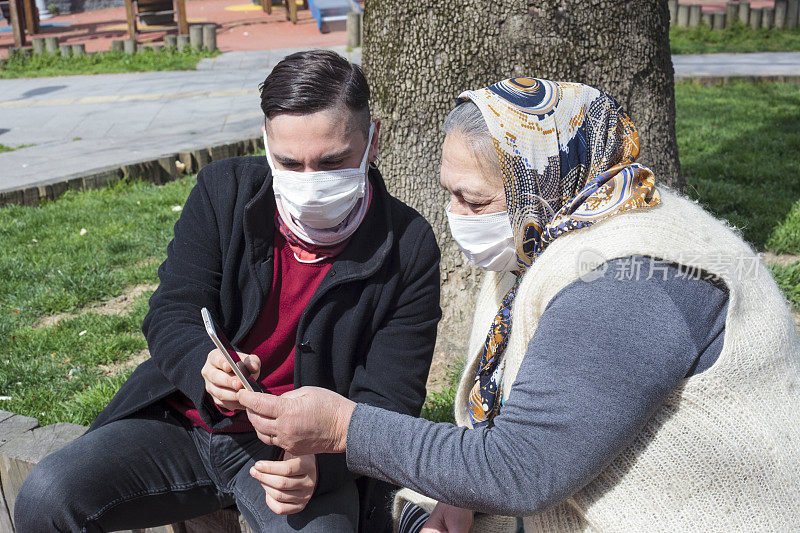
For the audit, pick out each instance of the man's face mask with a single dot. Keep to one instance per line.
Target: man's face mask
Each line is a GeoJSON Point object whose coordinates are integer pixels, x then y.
{"type": "Point", "coordinates": [320, 199]}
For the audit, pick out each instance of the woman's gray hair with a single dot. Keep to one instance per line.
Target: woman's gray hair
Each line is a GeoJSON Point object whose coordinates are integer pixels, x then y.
{"type": "Point", "coordinates": [466, 120]}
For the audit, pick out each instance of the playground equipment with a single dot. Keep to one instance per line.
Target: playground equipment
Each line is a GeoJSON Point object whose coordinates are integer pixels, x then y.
{"type": "Point", "coordinates": [332, 14]}
{"type": "Point", "coordinates": [154, 15]}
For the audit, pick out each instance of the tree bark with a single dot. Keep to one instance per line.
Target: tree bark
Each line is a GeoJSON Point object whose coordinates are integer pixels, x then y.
{"type": "Point", "coordinates": [418, 56]}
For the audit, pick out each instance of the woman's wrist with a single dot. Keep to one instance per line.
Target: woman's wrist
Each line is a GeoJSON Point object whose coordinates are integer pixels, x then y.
{"type": "Point", "coordinates": [344, 415]}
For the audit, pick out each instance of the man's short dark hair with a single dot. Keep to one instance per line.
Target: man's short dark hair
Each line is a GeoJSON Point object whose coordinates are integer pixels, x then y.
{"type": "Point", "coordinates": [315, 80]}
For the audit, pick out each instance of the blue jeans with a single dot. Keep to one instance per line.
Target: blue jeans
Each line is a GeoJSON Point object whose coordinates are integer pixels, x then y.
{"type": "Point", "coordinates": [155, 468]}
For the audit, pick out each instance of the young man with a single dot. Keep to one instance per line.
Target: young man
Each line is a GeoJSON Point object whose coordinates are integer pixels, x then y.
{"type": "Point", "coordinates": [317, 275]}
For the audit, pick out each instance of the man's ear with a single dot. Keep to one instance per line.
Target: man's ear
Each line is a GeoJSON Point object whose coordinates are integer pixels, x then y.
{"type": "Point", "coordinates": [373, 148]}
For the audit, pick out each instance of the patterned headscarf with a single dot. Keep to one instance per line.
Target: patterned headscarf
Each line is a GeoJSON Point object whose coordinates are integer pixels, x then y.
{"type": "Point", "coordinates": [567, 156]}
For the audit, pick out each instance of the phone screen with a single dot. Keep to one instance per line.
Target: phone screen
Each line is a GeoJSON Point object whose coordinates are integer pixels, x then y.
{"type": "Point", "coordinates": [224, 346]}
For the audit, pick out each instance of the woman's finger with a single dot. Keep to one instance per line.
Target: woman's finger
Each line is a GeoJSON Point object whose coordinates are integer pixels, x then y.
{"type": "Point", "coordinates": [263, 425]}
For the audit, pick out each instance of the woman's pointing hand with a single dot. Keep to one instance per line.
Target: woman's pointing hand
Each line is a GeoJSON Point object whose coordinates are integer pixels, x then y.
{"type": "Point", "coordinates": [304, 421]}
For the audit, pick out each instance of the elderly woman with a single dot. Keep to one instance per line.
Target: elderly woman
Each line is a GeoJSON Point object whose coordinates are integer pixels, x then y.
{"type": "Point", "coordinates": [641, 369]}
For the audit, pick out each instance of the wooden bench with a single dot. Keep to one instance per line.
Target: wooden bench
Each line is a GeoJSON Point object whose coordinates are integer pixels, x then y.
{"type": "Point", "coordinates": [23, 443]}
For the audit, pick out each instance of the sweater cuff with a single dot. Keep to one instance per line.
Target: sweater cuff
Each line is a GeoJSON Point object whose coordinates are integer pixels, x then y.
{"type": "Point", "coordinates": [363, 422]}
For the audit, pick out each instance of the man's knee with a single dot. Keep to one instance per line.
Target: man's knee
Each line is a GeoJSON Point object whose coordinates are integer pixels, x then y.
{"type": "Point", "coordinates": [43, 501]}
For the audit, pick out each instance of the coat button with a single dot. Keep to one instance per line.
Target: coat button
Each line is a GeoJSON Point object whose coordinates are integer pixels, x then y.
{"type": "Point", "coordinates": [305, 346]}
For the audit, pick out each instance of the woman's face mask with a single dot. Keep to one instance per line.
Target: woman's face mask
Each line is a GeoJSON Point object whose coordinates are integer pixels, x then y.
{"type": "Point", "coordinates": [487, 240]}
{"type": "Point", "coordinates": [320, 199]}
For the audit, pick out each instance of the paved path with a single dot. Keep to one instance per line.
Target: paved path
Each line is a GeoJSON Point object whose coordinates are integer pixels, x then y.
{"type": "Point", "coordinates": [83, 123]}
{"type": "Point", "coordinates": [722, 65]}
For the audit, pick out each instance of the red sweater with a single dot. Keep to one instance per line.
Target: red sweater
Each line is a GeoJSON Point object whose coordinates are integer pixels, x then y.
{"type": "Point", "coordinates": [272, 337]}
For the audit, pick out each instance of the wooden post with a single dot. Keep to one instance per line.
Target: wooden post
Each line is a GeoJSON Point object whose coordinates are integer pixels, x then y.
{"type": "Point", "coordinates": [130, 18]}
{"type": "Point", "coordinates": [731, 12]}
{"type": "Point", "coordinates": [79, 49]}
{"type": "Point", "coordinates": [18, 456]}
{"type": "Point", "coordinates": [11, 426]}
{"type": "Point", "coordinates": [780, 14]}
{"type": "Point", "coordinates": [718, 21]}
{"type": "Point", "coordinates": [755, 18]}
{"type": "Point", "coordinates": [673, 12]}
{"type": "Point", "coordinates": [353, 29]}
{"type": "Point", "coordinates": [708, 19]}
{"type": "Point", "coordinates": [38, 45]}
{"type": "Point", "coordinates": [683, 15]}
{"type": "Point", "coordinates": [129, 46]}
{"type": "Point", "coordinates": [31, 17]}
{"type": "Point", "coordinates": [767, 18]}
{"type": "Point", "coordinates": [51, 44]}
{"type": "Point", "coordinates": [695, 15]}
{"type": "Point", "coordinates": [196, 36]}
{"type": "Point", "coordinates": [183, 24]}
{"type": "Point", "coordinates": [183, 42]}
{"type": "Point", "coordinates": [266, 6]}
{"type": "Point", "coordinates": [291, 7]}
{"type": "Point", "coordinates": [210, 37]}
{"type": "Point", "coordinates": [744, 13]}
{"type": "Point", "coordinates": [792, 11]}
{"type": "Point", "coordinates": [16, 23]}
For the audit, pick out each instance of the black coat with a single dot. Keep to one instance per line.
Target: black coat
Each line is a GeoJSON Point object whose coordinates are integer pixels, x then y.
{"type": "Point", "coordinates": [368, 332]}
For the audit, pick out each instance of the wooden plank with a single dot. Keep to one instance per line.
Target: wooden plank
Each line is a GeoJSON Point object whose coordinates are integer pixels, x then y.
{"type": "Point", "coordinates": [222, 521]}
{"type": "Point", "coordinates": [31, 17]}
{"type": "Point", "coordinates": [15, 425]}
{"type": "Point", "coordinates": [5, 515]}
{"type": "Point", "coordinates": [19, 455]}
{"type": "Point", "coordinates": [11, 426]}
{"type": "Point", "coordinates": [130, 19]}
{"type": "Point", "coordinates": [18, 29]}
{"type": "Point", "coordinates": [183, 24]}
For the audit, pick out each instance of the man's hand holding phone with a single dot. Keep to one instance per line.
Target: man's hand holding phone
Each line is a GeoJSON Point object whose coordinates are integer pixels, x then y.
{"type": "Point", "coordinates": [222, 383]}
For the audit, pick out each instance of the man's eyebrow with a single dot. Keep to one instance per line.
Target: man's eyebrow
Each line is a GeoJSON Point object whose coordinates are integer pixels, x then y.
{"type": "Point", "coordinates": [284, 160]}
{"type": "Point", "coordinates": [336, 155]}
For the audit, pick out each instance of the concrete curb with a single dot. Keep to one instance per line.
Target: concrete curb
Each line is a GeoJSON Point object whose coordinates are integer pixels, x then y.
{"type": "Point", "coordinates": [159, 170]}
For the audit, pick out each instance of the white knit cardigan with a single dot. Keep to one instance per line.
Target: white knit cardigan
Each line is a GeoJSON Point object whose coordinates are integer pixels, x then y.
{"type": "Point", "coordinates": [723, 452]}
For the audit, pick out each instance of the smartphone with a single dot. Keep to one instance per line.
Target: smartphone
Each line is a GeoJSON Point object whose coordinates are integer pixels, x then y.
{"type": "Point", "coordinates": [227, 349]}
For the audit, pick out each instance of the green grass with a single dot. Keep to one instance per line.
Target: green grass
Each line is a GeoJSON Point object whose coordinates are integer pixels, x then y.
{"type": "Point", "coordinates": [438, 405]}
{"type": "Point", "coordinates": [739, 39]}
{"type": "Point", "coordinates": [48, 267]}
{"type": "Point", "coordinates": [30, 66]}
{"type": "Point", "coordinates": [788, 278]}
{"type": "Point", "coordinates": [738, 146]}
{"type": "Point", "coordinates": [4, 148]}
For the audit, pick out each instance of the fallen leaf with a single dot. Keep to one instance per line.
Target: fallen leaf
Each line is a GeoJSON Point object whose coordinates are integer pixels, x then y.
{"type": "Point", "coordinates": [83, 231]}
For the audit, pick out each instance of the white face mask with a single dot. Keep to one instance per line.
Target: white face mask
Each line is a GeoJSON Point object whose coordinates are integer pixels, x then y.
{"type": "Point", "coordinates": [487, 240]}
{"type": "Point", "coordinates": [323, 198]}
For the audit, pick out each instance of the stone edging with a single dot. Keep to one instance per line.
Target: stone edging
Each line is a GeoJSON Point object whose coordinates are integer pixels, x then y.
{"type": "Point", "coordinates": [159, 170]}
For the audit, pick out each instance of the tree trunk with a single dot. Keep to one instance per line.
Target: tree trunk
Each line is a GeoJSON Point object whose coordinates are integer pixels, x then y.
{"type": "Point", "coordinates": [418, 56]}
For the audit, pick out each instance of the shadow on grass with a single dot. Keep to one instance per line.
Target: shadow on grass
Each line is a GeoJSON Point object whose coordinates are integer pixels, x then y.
{"type": "Point", "coordinates": [738, 146]}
